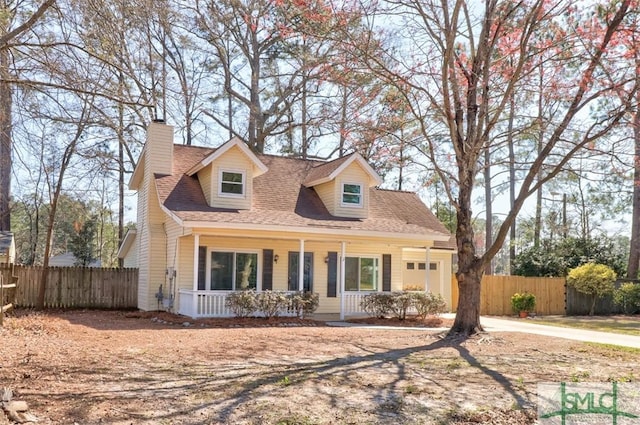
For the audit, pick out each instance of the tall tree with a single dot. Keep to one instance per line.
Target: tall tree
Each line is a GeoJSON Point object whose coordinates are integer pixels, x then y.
{"type": "Point", "coordinates": [453, 81]}
{"type": "Point", "coordinates": [17, 18]}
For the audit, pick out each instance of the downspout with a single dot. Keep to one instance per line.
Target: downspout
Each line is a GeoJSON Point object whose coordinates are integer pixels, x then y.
{"type": "Point", "coordinates": [343, 250]}
{"type": "Point", "coordinates": [194, 295]}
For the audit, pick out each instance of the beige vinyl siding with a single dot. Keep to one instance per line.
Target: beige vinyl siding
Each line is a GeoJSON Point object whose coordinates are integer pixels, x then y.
{"type": "Point", "coordinates": [353, 174]}
{"type": "Point", "coordinates": [206, 179]}
{"type": "Point", "coordinates": [439, 280]}
{"type": "Point", "coordinates": [327, 193]}
{"type": "Point", "coordinates": [233, 160]}
{"type": "Point", "coordinates": [156, 253]}
{"type": "Point", "coordinates": [159, 149]}
{"type": "Point", "coordinates": [151, 241]}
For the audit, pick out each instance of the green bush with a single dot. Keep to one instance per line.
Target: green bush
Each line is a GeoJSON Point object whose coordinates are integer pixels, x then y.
{"type": "Point", "coordinates": [592, 279]}
{"type": "Point", "coordinates": [377, 304]}
{"type": "Point", "coordinates": [428, 303]}
{"type": "Point", "coordinates": [270, 303]}
{"type": "Point", "coordinates": [305, 303]}
{"type": "Point", "coordinates": [628, 297]}
{"type": "Point", "coordinates": [400, 303]}
{"type": "Point", "coordinates": [242, 303]}
{"type": "Point", "coordinates": [524, 301]}
{"type": "Point", "coordinates": [381, 304]}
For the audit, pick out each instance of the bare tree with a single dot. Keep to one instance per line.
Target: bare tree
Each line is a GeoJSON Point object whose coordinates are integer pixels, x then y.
{"type": "Point", "coordinates": [456, 81]}
{"type": "Point", "coordinates": [18, 18]}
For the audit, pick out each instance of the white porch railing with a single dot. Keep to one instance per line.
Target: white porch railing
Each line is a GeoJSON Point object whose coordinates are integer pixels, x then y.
{"type": "Point", "coordinates": [198, 304]}
{"type": "Point", "coordinates": [352, 300]}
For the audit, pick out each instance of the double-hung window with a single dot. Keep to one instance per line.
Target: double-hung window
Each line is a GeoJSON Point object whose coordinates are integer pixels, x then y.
{"type": "Point", "coordinates": [232, 183]}
{"type": "Point", "coordinates": [229, 271]}
{"type": "Point", "coordinates": [351, 195]}
{"type": "Point", "coordinates": [361, 274]}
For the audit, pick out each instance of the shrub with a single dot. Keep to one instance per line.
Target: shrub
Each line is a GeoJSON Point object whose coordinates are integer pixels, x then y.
{"type": "Point", "coordinates": [524, 301]}
{"type": "Point", "coordinates": [271, 302]}
{"type": "Point", "coordinates": [305, 303]}
{"type": "Point", "coordinates": [242, 303]}
{"type": "Point", "coordinates": [592, 279]}
{"type": "Point", "coordinates": [381, 304]}
{"type": "Point", "coordinates": [377, 304]}
{"type": "Point", "coordinates": [400, 303]}
{"type": "Point", "coordinates": [428, 303]}
{"type": "Point", "coordinates": [628, 297]}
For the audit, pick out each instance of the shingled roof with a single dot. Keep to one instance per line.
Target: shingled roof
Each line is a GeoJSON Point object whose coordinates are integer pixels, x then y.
{"type": "Point", "coordinates": [281, 200]}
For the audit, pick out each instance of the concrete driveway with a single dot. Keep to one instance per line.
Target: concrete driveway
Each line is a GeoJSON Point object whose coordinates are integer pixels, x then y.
{"type": "Point", "coordinates": [492, 324]}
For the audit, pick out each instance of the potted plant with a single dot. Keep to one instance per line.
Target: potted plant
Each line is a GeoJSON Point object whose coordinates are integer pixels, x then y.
{"type": "Point", "coordinates": [523, 303]}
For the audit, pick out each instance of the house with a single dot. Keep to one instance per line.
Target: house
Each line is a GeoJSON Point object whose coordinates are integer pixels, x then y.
{"type": "Point", "coordinates": [211, 221]}
{"type": "Point", "coordinates": [7, 248]}
{"type": "Point", "coordinates": [68, 259]}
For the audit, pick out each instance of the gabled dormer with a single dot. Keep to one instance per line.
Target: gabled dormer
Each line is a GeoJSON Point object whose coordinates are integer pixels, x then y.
{"type": "Point", "coordinates": [343, 185]}
{"type": "Point", "coordinates": [226, 176]}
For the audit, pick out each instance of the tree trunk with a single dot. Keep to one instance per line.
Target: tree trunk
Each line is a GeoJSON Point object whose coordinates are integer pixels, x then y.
{"type": "Point", "coordinates": [470, 269]}
{"type": "Point", "coordinates": [592, 310]}
{"type": "Point", "coordinates": [488, 234]}
{"type": "Point", "coordinates": [634, 249]}
{"type": "Point", "coordinates": [512, 183]}
{"type": "Point", "coordinates": [6, 103]}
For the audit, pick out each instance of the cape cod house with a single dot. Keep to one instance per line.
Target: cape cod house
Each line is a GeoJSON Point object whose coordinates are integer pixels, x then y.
{"type": "Point", "coordinates": [211, 221]}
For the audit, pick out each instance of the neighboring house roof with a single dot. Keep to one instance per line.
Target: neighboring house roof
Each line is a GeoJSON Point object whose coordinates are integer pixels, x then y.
{"type": "Point", "coordinates": [280, 198]}
{"type": "Point", "coordinates": [127, 242]}
{"type": "Point", "coordinates": [6, 239]}
{"type": "Point", "coordinates": [69, 260]}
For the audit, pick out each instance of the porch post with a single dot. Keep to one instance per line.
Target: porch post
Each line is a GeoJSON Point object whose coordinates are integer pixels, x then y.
{"type": "Point", "coordinates": [301, 267]}
{"type": "Point", "coordinates": [343, 250]}
{"type": "Point", "coordinates": [427, 268]}
{"type": "Point", "coordinates": [196, 246]}
{"type": "Point", "coordinates": [194, 296]}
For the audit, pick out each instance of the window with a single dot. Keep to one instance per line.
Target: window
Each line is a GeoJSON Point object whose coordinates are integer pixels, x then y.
{"type": "Point", "coordinates": [411, 266]}
{"type": "Point", "coordinates": [433, 266]}
{"type": "Point", "coordinates": [361, 274]}
{"type": "Point", "coordinates": [307, 283]}
{"type": "Point", "coordinates": [230, 271]}
{"type": "Point", "coordinates": [231, 183]}
{"type": "Point", "coordinates": [351, 194]}
{"type": "Point", "coordinates": [422, 266]}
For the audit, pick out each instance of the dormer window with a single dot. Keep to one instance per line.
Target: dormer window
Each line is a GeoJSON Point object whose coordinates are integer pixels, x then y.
{"type": "Point", "coordinates": [232, 183]}
{"type": "Point", "coordinates": [351, 195]}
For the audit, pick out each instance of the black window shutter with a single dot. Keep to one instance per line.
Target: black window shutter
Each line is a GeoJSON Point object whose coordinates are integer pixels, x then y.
{"type": "Point", "coordinates": [386, 272]}
{"type": "Point", "coordinates": [202, 268]}
{"type": "Point", "coordinates": [267, 269]}
{"type": "Point", "coordinates": [332, 275]}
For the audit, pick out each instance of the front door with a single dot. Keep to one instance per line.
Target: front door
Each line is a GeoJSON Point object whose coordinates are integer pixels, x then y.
{"type": "Point", "coordinates": [308, 271]}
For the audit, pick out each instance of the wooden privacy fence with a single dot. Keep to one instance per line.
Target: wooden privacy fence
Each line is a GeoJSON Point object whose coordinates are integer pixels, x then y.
{"type": "Point", "coordinates": [496, 292]}
{"type": "Point", "coordinates": [78, 287]}
{"type": "Point", "coordinates": [7, 290]}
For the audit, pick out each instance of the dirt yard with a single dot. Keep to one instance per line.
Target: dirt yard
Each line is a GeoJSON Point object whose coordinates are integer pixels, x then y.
{"type": "Point", "coordinates": [90, 367]}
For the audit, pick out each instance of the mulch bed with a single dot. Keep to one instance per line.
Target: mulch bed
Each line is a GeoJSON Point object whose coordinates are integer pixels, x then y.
{"type": "Point", "coordinates": [410, 321]}
{"type": "Point", "coordinates": [165, 318]}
